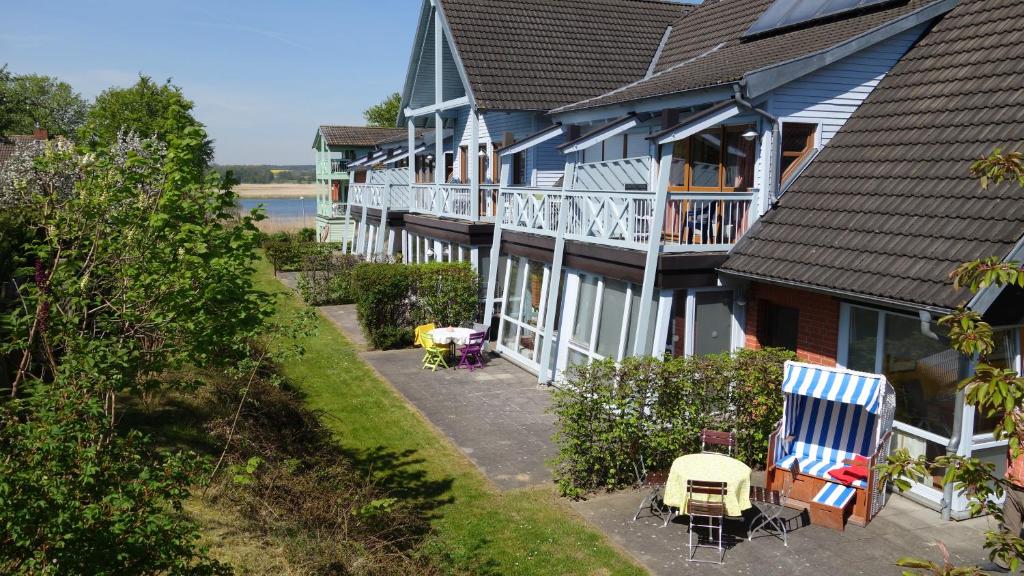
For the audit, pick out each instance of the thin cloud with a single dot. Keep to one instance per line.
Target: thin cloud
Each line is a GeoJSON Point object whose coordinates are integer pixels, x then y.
{"type": "Point", "coordinates": [257, 31]}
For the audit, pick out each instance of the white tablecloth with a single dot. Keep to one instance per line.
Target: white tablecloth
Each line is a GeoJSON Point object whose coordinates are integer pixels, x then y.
{"type": "Point", "coordinates": [457, 336]}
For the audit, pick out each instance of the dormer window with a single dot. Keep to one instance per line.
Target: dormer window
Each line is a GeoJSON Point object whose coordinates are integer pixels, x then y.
{"type": "Point", "coordinates": [719, 159]}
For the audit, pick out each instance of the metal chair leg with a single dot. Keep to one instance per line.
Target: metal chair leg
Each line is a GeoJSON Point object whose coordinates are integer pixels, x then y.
{"type": "Point", "coordinates": [641, 508]}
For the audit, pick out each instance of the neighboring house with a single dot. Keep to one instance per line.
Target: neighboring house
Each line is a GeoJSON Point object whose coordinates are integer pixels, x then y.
{"type": "Point", "coordinates": [665, 173]}
{"type": "Point", "coordinates": [8, 144]}
{"type": "Point", "coordinates": [335, 147]}
{"type": "Point", "coordinates": [852, 266]}
{"type": "Point", "coordinates": [483, 74]}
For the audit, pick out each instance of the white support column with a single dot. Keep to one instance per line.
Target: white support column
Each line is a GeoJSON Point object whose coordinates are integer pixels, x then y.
{"type": "Point", "coordinates": [411, 126]}
{"type": "Point", "coordinates": [492, 264]}
{"type": "Point", "coordinates": [348, 237]}
{"type": "Point", "coordinates": [653, 252]}
{"type": "Point", "coordinates": [405, 246]}
{"type": "Point", "coordinates": [555, 279]}
{"type": "Point", "coordinates": [385, 201]}
{"type": "Point", "coordinates": [474, 164]}
{"type": "Point", "coordinates": [363, 224]}
{"type": "Point", "coordinates": [439, 167]}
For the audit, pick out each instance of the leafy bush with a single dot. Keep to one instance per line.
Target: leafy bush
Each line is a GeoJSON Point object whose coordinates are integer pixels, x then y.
{"type": "Point", "coordinates": [79, 498]}
{"type": "Point", "coordinates": [611, 414]}
{"type": "Point", "coordinates": [382, 300]}
{"type": "Point", "coordinates": [392, 298]}
{"type": "Point", "coordinates": [306, 235]}
{"type": "Point", "coordinates": [289, 255]}
{"type": "Point", "coordinates": [444, 293]}
{"type": "Point", "coordinates": [327, 278]}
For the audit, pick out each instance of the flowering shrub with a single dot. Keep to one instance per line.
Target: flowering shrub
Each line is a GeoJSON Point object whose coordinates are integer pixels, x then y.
{"type": "Point", "coordinates": [609, 415]}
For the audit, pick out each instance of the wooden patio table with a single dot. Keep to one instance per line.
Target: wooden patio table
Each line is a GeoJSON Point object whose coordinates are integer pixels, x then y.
{"type": "Point", "coordinates": [709, 468]}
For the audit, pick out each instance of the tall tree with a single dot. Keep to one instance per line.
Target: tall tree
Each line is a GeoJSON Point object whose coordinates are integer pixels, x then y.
{"type": "Point", "coordinates": [385, 113]}
{"type": "Point", "coordinates": [30, 100]}
{"type": "Point", "coordinates": [147, 109]}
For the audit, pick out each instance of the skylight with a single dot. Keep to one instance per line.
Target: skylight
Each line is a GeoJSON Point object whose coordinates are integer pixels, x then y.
{"type": "Point", "coordinates": [786, 13]}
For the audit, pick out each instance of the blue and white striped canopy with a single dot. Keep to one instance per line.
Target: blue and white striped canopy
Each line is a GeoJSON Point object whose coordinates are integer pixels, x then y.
{"type": "Point", "coordinates": [835, 384]}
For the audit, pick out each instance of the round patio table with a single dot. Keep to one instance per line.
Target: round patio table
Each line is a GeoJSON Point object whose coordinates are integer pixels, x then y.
{"type": "Point", "coordinates": [709, 468]}
{"type": "Point", "coordinates": [452, 336]}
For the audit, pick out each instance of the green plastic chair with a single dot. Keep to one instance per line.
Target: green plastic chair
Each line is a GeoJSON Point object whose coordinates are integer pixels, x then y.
{"type": "Point", "coordinates": [434, 354]}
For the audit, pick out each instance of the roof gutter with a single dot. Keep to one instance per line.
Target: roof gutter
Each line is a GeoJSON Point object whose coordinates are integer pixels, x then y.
{"type": "Point", "coordinates": [886, 302]}
{"type": "Point", "coordinates": [772, 186]}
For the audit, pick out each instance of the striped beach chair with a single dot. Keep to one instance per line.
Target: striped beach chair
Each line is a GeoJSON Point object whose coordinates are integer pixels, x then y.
{"type": "Point", "coordinates": [832, 416]}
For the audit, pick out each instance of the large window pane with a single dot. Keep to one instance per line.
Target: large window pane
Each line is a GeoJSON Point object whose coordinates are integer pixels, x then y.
{"type": "Point", "coordinates": [1004, 356]}
{"type": "Point", "coordinates": [924, 370]}
{"type": "Point", "coordinates": [706, 152]}
{"type": "Point", "coordinates": [585, 311]}
{"type": "Point", "coordinates": [613, 307]}
{"type": "Point", "coordinates": [863, 340]}
{"type": "Point", "coordinates": [514, 301]}
{"type": "Point", "coordinates": [712, 330]}
{"type": "Point", "coordinates": [534, 292]}
{"type": "Point", "coordinates": [739, 158]}
{"type": "Point", "coordinates": [508, 336]}
{"type": "Point", "coordinates": [677, 172]}
{"type": "Point", "coordinates": [634, 318]}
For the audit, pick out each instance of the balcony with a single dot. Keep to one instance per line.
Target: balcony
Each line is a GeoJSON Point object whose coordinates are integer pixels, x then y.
{"type": "Point", "coordinates": [694, 221]}
{"type": "Point", "coordinates": [397, 196]}
{"type": "Point", "coordinates": [453, 201]}
{"type": "Point", "coordinates": [330, 209]}
{"type": "Point", "coordinates": [332, 168]}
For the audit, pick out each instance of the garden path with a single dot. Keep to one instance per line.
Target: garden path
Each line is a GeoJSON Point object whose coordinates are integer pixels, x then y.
{"type": "Point", "coordinates": [496, 416]}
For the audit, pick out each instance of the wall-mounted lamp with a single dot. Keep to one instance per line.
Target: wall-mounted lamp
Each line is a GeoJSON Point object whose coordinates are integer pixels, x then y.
{"type": "Point", "coordinates": [430, 157]}
{"type": "Point", "coordinates": [749, 135]}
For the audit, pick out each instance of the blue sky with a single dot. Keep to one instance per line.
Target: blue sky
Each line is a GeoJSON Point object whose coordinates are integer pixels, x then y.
{"type": "Point", "coordinates": [263, 74]}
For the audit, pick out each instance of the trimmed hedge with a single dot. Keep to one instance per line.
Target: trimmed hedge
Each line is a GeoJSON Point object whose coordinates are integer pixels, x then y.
{"type": "Point", "coordinates": [326, 278]}
{"type": "Point", "coordinates": [610, 414]}
{"type": "Point", "coordinates": [392, 298]}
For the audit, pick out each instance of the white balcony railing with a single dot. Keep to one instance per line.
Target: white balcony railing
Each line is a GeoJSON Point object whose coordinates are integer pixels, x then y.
{"type": "Point", "coordinates": [693, 221]}
{"type": "Point", "coordinates": [330, 209]}
{"type": "Point", "coordinates": [453, 200]}
{"type": "Point", "coordinates": [398, 196]}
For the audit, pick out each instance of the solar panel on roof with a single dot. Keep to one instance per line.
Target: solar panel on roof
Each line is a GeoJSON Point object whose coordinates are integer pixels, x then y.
{"type": "Point", "coordinates": [786, 13]}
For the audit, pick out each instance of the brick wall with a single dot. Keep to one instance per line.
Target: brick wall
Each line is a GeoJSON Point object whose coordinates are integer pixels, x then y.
{"type": "Point", "coordinates": [818, 329]}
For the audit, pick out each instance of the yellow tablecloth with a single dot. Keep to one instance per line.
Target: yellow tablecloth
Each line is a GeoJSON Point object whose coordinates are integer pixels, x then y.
{"type": "Point", "coordinates": [709, 468]}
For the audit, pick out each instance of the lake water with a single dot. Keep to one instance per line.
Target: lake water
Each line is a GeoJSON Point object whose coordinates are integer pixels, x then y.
{"type": "Point", "coordinates": [282, 207]}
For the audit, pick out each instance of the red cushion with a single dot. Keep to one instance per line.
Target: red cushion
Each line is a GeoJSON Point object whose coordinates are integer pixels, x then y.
{"type": "Point", "coordinates": [843, 475]}
{"type": "Point", "coordinates": [851, 473]}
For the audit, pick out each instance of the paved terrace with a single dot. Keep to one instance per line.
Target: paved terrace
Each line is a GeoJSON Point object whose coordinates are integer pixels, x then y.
{"type": "Point", "coordinates": [497, 417]}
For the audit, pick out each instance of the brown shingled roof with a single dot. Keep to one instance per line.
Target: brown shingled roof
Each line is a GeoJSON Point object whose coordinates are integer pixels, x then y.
{"type": "Point", "coordinates": [707, 48]}
{"type": "Point", "coordinates": [360, 135]}
{"type": "Point", "coordinates": [889, 208]}
{"type": "Point", "coordinates": [540, 54]}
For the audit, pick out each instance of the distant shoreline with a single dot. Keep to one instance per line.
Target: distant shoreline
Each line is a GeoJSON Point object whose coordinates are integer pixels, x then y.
{"type": "Point", "coordinates": [276, 190]}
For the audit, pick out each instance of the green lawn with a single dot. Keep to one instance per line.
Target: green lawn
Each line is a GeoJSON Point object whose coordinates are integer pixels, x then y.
{"type": "Point", "coordinates": [478, 529]}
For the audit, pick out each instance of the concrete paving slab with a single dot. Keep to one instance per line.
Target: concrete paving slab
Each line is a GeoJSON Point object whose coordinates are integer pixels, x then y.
{"type": "Point", "coordinates": [494, 415]}
{"type": "Point", "coordinates": [812, 549]}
